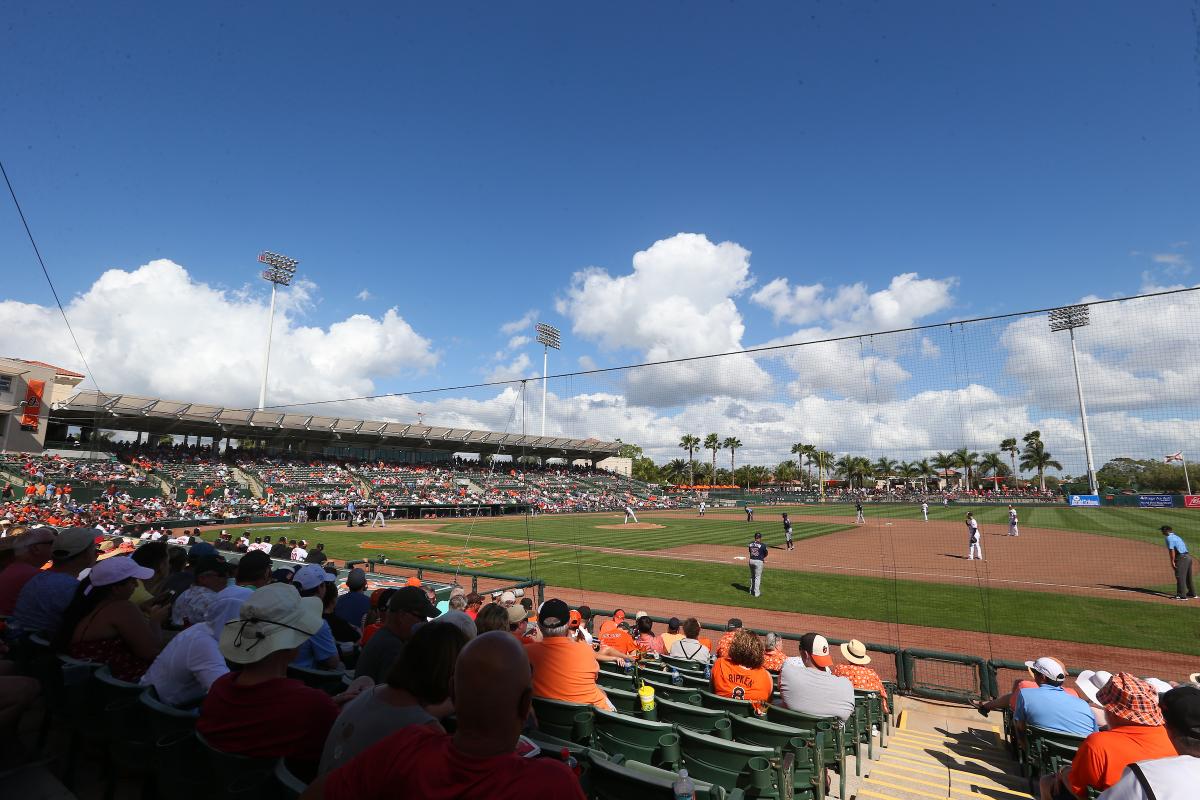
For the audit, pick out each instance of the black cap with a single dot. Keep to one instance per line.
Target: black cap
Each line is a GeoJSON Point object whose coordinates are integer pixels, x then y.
{"type": "Point", "coordinates": [673, 623]}
{"type": "Point", "coordinates": [758, 536]}
{"type": "Point", "coordinates": [1165, 528]}
{"type": "Point", "coordinates": [733, 624]}
{"type": "Point", "coordinates": [1181, 710]}
{"type": "Point", "coordinates": [414, 600]}
{"type": "Point", "coordinates": [553, 613]}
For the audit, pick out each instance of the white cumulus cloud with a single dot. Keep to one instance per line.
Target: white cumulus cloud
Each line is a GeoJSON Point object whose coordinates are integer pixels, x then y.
{"type": "Point", "coordinates": [517, 325]}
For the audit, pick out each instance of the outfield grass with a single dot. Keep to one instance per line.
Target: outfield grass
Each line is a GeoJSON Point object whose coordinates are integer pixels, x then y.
{"type": "Point", "coordinates": [1125, 623]}
{"type": "Point", "coordinates": [1139, 524]}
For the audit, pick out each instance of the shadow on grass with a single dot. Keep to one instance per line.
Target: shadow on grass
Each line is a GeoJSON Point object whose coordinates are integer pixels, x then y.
{"type": "Point", "coordinates": [1139, 590]}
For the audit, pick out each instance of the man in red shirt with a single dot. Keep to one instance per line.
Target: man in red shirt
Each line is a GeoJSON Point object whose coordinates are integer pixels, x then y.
{"type": "Point", "coordinates": [492, 693]}
{"type": "Point", "coordinates": [259, 711]}
{"type": "Point", "coordinates": [732, 627]}
{"type": "Point", "coordinates": [31, 551]}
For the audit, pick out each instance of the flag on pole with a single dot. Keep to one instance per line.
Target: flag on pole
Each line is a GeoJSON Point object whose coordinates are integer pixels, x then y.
{"type": "Point", "coordinates": [1174, 457]}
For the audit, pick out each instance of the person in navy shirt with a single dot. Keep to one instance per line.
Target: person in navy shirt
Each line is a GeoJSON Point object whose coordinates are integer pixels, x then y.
{"type": "Point", "coordinates": [1181, 562]}
{"type": "Point", "coordinates": [758, 554]}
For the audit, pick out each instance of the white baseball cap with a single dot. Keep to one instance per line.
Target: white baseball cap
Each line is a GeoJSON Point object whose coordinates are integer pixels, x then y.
{"type": "Point", "coordinates": [310, 576]}
{"type": "Point", "coordinates": [117, 569]}
{"type": "Point", "coordinates": [1047, 667]}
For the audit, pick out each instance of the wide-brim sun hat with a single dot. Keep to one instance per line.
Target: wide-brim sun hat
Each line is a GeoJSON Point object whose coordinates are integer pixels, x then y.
{"type": "Point", "coordinates": [1090, 682]}
{"type": "Point", "coordinates": [855, 652]}
{"type": "Point", "coordinates": [275, 617]}
{"type": "Point", "coordinates": [1130, 698]}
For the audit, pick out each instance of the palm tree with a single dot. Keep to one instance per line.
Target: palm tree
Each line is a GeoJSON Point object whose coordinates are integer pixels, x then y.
{"type": "Point", "coordinates": [1035, 457]}
{"type": "Point", "coordinates": [885, 467]}
{"type": "Point", "coordinates": [691, 444]}
{"type": "Point", "coordinates": [853, 467]}
{"type": "Point", "coordinates": [713, 442]}
{"type": "Point", "coordinates": [732, 444]}
{"type": "Point", "coordinates": [1010, 446]}
{"type": "Point", "coordinates": [942, 463]}
{"type": "Point", "coordinates": [925, 471]}
{"type": "Point", "coordinates": [962, 457]}
{"type": "Point", "coordinates": [786, 471]}
{"type": "Point", "coordinates": [907, 470]}
{"type": "Point", "coordinates": [802, 452]}
{"type": "Point", "coordinates": [823, 459]}
{"type": "Point", "coordinates": [993, 464]}
{"type": "Point", "coordinates": [674, 470]}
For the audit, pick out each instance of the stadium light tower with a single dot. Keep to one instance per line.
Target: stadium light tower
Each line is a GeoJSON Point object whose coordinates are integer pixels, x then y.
{"type": "Point", "coordinates": [1068, 319]}
{"type": "Point", "coordinates": [279, 272]}
{"type": "Point", "coordinates": [549, 336]}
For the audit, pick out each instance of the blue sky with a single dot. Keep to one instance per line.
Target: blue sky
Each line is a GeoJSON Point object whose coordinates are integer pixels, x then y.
{"type": "Point", "coordinates": [462, 164]}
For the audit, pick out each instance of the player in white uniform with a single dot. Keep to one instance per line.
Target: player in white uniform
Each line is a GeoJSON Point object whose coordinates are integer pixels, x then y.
{"type": "Point", "coordinates": [1012, 522]}
{"type": "Point", "coordinates": [925, 510]}
{"type": "Point", "coordinates": [379, 518]}
{"type": "Point", "coordinates": [702, 508]}
{"type": "Point", "coordinates": [974, 550]}
{"type": "Point", "coordinates": [629, 515]}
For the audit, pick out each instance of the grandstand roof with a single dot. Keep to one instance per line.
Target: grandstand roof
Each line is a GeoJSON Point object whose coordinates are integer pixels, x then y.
{"type": "Point", "coordinates": [57, 370]}
{"type": "Point", "coordinates": [158, 416]}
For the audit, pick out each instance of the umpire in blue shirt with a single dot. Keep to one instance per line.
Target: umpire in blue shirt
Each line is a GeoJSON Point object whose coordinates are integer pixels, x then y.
{"type": "Point", "coordinates": [758, 554]}
{"type": "Point", "coordinates": [1181, 562]}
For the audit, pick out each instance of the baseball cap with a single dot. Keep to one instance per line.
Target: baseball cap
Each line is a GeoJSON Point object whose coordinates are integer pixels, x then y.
{"type": "Point", "coordinates": [273, 618]}
{"type": "Point", "coordinates": [639, 615]}
{"type": "Point", "coordinates": [1047, 667]}
{"type": "Point", "coordinates": [201, 550]}
{"type": "Point", "coordinates": [515, 614]}
{"type": "Point", "coordinates": [33, 536]}
{"type": "Point", "coordinates": [210, 564]}
{"type": "Point", "coordinates": [553, 613]}
{"type": "Point", "coordinates": [117, 569]}
{"type": "Point", "coordinates": [508, 598]}
{"type": "Point", "coordinates": [413, 600]}
{"type": "Point", "coordinates": [73, 541]}
{"type": "Point", "coordinates": [381, 597]}
{"type": "Point", "coordinates": [757, 535]}
{"type": "Point", "coordinates": [733, 624]}
{"type": "Point", "coordinates": [459, 620]}
{"type": "Point", "coordinates": [357, 579]}
{"type": "Point", "coordinates": [1181, 710]}
{"type": "Point", "coordinates": [673, 624]}
{"type": "Point", "coordinates": [413, 582]}
{"type": "Point", "coordinates": [575, 619]}
{"type": "Point", "coordinates": [310, 576]}
{"type": "Point", "coordinates": [817, 646]}
{"type": "Point", "coordinates": [1165, 528]}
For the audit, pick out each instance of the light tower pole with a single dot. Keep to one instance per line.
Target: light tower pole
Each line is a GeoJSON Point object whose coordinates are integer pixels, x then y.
{"type": "Point", "coordinates": [279, 272]}
{"type": "Point", "coordinates": [1068, 319]}
{"type": "Point", "coordinates": [549, 336]}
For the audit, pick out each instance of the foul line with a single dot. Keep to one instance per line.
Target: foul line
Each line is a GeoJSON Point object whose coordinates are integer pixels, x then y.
{"type": "Point", "coordinates": [626, 569]}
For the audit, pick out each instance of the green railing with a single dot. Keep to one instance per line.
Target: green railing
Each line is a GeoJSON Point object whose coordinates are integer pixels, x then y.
{"type": "Point", "coordinates": [509, 581]}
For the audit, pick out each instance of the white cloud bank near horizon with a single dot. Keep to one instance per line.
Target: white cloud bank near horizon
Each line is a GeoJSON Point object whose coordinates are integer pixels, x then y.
{"type": "Point", "coordinates": [156, 330]}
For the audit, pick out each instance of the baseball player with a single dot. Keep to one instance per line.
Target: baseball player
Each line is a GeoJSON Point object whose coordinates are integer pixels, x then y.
{"type": "Point", "coordinates": [379, 518]}
{"type": "Point", "coordinates": [702, 508]}
{"type": "Point", "coordinates": [974, 549]}
{"type": "Point", "coordinates": [858, 513]}
{"type": "Point", "coordinates": [1012, 522]}
{"type": "Point", "coordinates": [787, 532]}
{"type": "Point", "coordinates": [629, 515]}
{"type": "Point", "coordinates": [925, 509]}
{"type": "Point", "coordinates": [758, 554]}
{"type": "Point", "coordinates": [749, 514]}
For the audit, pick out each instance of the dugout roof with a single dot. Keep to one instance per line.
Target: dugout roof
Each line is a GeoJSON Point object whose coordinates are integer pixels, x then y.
{"type": "Point", "coordinates": [158, 416]}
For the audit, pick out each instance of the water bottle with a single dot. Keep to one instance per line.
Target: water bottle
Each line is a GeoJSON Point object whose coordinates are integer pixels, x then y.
{"type": "Point", "coordinates": [570, 761]}
{"type": "Point", "coordinates": [676, 678]}
{"type": "Point", "coordinates": [629, 666]}
{"type": "Point", "coordinates": [707, 671]}
{"type": "Point", "coordinates": [683, 788]}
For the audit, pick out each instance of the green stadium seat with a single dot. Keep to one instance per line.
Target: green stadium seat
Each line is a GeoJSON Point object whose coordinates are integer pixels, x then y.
{"type": "Point", "coordinates": [1042, 746]}
{"type": "Point", "coordinates": [669, 691]}
{"type": "Point", "coordinates": [869, 710]}
{"type": "Point", "coordinates": [288, 786]}
{"type": "Point", "coordinates": [683, 664]}
{"type": "Point", "coordinates": [808, 767]}
{"type": "Point", "coordinates": [236, 777]}
{"type": "Point", "coordinates": [330, 681]}
{"type": "Point", "coordinates": [696, 680]}
{"type": "Point", "coordinates": [740, 708]}
{"type": "Point", "coordinates": [653, 743]}
{"type": "Point", "coordinates": [625, 701]}
{"type": "Point", "coordinates": [175, 746]}
{"type": "Point", "coordinates": [758, 771]}
{"type": "Point", "coordinates": [834, 745]}
{"type": "Point", "coordinates": [611, 680]}
{"type": "Point", "coordinates": [696, 718]}
{"type": "Point", "coordinates": [633, 780]}
{"type": "Point", "coordinates": [572, 722]}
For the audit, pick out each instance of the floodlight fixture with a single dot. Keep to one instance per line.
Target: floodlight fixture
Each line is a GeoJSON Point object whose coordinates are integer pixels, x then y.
{"type": "Point", "coordinates": [1068, 318]}
{"type": "Point", "coordinates": [548, 336]}
{"type": "Point", "coordinates": [279, 272]}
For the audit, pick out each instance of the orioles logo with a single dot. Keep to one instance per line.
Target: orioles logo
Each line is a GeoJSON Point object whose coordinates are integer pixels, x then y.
{"type": "Point", "coordinates": [739, 693]}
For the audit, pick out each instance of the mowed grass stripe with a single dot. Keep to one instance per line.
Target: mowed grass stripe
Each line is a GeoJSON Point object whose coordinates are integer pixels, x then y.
{"type": "Point", "coordinates": [583, 530]}
{"type": "Point", "coordinates": [1122, 623]}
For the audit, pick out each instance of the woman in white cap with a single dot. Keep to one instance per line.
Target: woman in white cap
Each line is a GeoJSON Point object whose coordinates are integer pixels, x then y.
{"type": "Point", "coordinates": [101, 624]}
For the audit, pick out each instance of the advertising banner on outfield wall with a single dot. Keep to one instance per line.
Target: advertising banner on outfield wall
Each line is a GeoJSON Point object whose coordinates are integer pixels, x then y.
{"type": "Point", "coordinates": [1156, 500]}
{"type": "Point", "coordinates": [1191, 501]}
{"type": "Point", "coordinates": [1084, 499]}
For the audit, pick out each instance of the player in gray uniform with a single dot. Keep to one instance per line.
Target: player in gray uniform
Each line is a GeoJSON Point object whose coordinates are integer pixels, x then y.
{"type": "Point", "coordinates": [1012, 522]}
{"type": "Point", "coordinates": [787, 532]}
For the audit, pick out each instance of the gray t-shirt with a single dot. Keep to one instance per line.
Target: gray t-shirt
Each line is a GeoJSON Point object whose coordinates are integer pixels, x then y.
{"type": "Point", "coordinates": [364, 721]}
{"type": "Point", "coordinates": [815, 692]}
{"type": "Point", "coordinates": [379, 655]}
{"type": "Point", "coordinates": [690, 649]}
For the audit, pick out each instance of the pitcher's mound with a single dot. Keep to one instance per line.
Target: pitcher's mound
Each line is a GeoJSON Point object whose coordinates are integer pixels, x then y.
{"type": "Point", "coordinates": [633, 526]}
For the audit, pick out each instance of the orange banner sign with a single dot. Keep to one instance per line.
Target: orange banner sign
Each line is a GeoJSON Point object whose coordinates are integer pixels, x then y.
{"type": "Point", "coordinates": [33, 405]}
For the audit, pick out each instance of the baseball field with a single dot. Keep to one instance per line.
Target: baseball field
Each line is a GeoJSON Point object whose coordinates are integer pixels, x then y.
{"type": "Point", "coordinates": [1089, 576]}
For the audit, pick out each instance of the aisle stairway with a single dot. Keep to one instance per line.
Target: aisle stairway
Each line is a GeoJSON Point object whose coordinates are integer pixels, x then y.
{"type": "Point", "coordinates": [943, 755]}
